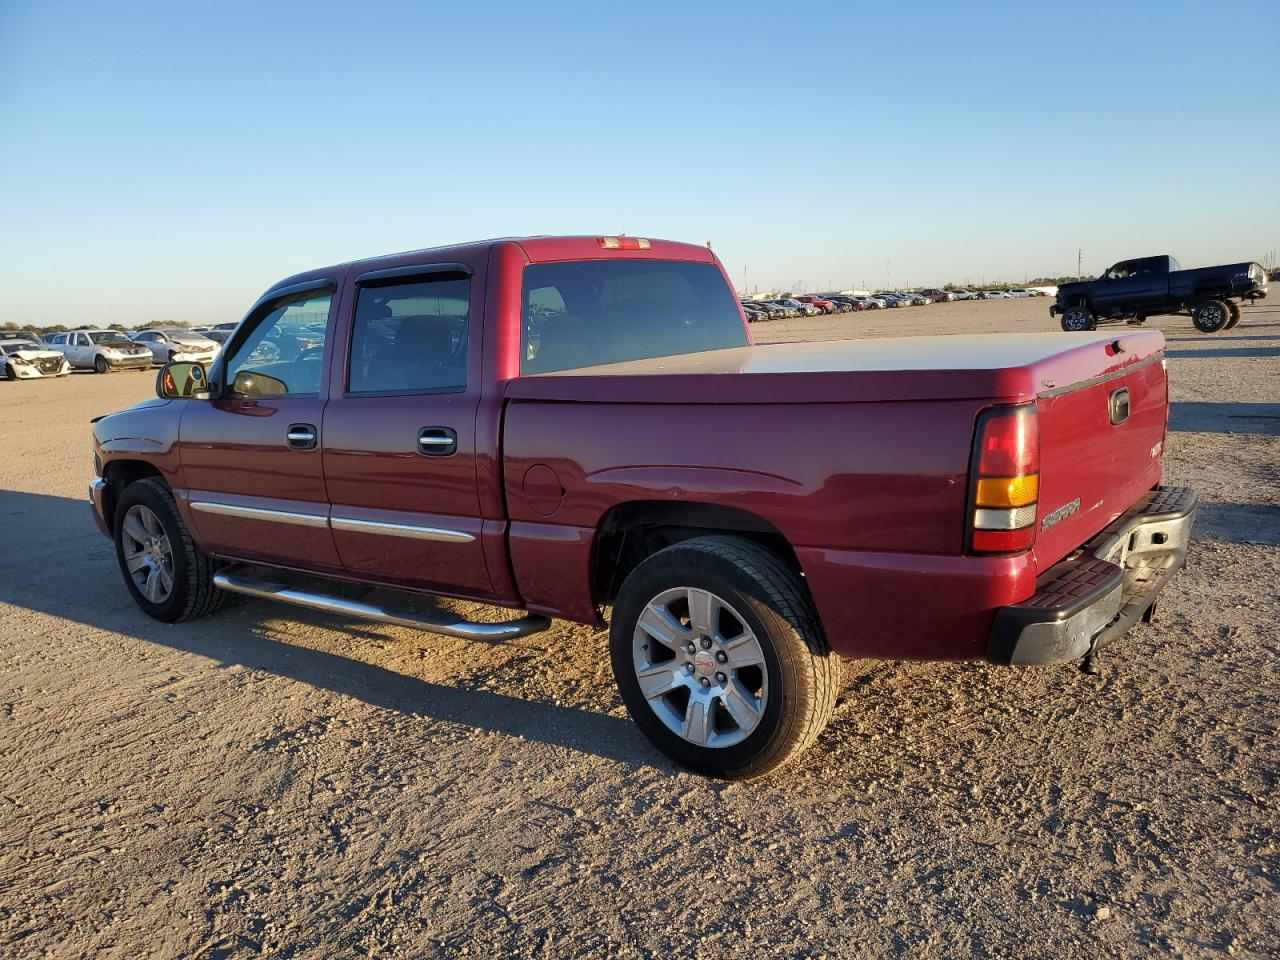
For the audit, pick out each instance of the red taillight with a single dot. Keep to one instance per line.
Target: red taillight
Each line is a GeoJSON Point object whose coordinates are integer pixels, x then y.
{"type": "Point", "coordinates": [623, 243]}
{"type": "Point", "coordinates": [1004, 480]}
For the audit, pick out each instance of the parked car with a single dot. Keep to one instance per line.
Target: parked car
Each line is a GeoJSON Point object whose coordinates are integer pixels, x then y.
{"type": "Point", "coordinates": [892, 300]}
{"type": "Point", "coordinates": [938, 296]}
{"type": "Point", "coordinates": [917, 299]}
{"type": "Point", "coordinates": [962, 295]}
{"type": "Point", "coordinates": [20, 359]}
{"type": "Point", "coordinates": [1018, 294]}
{"type": "Point", "coordinates": [871, 303]}
{"type": "Point", "coordinates": [820, 304]}
{"type": "Point", "coordinates": [773, 311]}
{"type": "Point", "coordinates": [754, 313]}
{"type": "Point", "coordinates": [993, 295]}
{"type": "Point", "coordinates": [450, 445]}
{"type": "Point", "coordinates": [847, 304]}
{"type": "Point", "coordinates": [100, 350]}
{"type": "Point", "coordinates": [177, 344]}
{"type": "Point", "coordinates": [798, 308]}
{"type": "Point", "coordinates": [1137, 289]}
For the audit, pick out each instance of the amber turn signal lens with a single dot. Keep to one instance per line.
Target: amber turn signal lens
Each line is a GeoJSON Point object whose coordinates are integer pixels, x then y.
{"type": "Point", "coordinates": [1008, 491]}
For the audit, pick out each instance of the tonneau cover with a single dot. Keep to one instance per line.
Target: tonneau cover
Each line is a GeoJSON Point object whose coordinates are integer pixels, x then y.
{"type": "Point", "coordinates": [992, 366]}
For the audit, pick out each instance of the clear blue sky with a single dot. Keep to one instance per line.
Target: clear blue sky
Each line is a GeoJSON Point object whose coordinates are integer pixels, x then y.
{"type": "Point", "coordinates": [170, 160]}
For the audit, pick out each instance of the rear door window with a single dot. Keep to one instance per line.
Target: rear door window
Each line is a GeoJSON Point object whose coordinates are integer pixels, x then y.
{"type": "Point", "coordinates": [411, 337]}
{"type": "Point", "coordinates": [584, 313]}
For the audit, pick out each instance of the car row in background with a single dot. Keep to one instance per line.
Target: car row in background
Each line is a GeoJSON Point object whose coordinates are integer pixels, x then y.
{"type": "Point", "coordinates": [24, 355]}
{"type": "Point", "coordinates": [813, 304]}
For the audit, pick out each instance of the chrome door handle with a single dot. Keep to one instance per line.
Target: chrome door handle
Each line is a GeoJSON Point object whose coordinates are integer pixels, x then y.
{"type": "Point", "coordinates": [301, 436]}
{"type": "Point", "coordinates": [437, 441]}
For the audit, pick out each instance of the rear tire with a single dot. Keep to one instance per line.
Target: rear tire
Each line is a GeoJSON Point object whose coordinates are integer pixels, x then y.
{"type": "Point", "coordinates": [1078, 319]}
{"type": "Point", "coordinates": [1210, 316]}
{"type": "Point", "coordinates": [100, 364]}
{"type": "Point", "coordinates": [1234, 310]}
{"type": "Point", "coordinates": [743, 681]}
{"type": "Point", "coordinates": [151, 538]}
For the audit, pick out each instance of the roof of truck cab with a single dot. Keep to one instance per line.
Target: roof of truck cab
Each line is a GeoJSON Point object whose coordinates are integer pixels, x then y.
{"type": "Point", "coordinates": [538, 249]}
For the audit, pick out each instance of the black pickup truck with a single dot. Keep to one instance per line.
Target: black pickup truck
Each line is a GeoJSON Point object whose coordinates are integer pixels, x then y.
{"type": "Point", "coordinates": [1136, 289]}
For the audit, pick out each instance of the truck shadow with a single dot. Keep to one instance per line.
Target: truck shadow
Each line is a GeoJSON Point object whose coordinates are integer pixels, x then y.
{"type": "Point", "coordinates": [68, 570]}
{"type": "Point", "coordinates": [1200, 417]}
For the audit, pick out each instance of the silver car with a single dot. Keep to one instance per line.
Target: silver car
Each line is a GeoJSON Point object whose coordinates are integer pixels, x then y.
{"type": "Point", "coordinates": [168, 345]}
{"type": "Point", "coordinates": [100, 350]}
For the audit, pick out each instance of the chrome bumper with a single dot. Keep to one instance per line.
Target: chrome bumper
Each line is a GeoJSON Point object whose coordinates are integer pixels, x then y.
{"type": "Point", "coordinates": [1104, 589]}
{"type": "Point", "coordinates": [97, 501]}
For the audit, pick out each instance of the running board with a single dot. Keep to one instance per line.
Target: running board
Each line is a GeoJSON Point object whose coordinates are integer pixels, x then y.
{"type": "Point", "coordinates": [233, 581]}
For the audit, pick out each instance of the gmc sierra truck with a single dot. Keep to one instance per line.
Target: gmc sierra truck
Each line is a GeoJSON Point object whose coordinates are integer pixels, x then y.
{"type": "Point", "coordinates": [581, 428]}
{"type": "Point", "coordinates": [1133, 290]}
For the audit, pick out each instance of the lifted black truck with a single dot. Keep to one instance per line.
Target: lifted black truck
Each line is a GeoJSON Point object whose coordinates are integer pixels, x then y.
{"type": "Point", "coordinates": [1133, 290]}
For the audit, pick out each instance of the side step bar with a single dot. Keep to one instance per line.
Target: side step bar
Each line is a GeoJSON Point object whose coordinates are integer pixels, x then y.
{"type": "Point", "coordinates": [235, 581]}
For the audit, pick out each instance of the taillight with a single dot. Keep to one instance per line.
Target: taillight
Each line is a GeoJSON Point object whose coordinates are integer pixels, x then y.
{"type": "Point", "coordinates": [623, 243]}
{"type": "Point", "coordinates": [1004, 481]}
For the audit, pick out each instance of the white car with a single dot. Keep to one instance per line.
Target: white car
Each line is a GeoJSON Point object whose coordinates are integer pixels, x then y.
{"type": "Point", "coordinates": [962, 295]}
{"type": "Point", "coordinates": [1018, 294]}
{"type": "Point", "coordinates": [24, 360]}
{"type": "Point", "coordinates": [177, 344]}
{"type": "Point", "coordinates": [993, 295]}
{"type": "Point", "coordinates": [100, 350]}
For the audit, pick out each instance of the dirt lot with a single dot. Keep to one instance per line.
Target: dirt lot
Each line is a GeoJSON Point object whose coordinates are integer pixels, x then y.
{"type": "Point", "coordinates": [275, 781]}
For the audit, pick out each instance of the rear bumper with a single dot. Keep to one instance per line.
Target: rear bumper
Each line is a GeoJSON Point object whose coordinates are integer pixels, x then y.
{"type": "Point", "coordinates": [1102, 590]}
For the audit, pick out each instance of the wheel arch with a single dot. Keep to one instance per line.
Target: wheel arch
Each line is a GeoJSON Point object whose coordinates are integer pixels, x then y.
{"type": "Point", "coordinates": [119, 474]}
{"type": "Point", "coordinates": [630, 532]}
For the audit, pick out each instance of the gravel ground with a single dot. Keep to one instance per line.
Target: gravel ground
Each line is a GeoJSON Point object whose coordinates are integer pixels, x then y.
{"type": "Point", "coordinates": [280, 782]}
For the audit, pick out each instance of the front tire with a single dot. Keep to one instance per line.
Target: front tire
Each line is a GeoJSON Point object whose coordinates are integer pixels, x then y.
{"type": "Point", "coordinates": [100, 364]}
{"type": "Point", "coordinates": [168, 577]}
{"type": "Point", "coordinates": [1210, 316]}
{"type": "Point", "coordinates": [1078, 319]}
{"type": "Point", "coordinates": [720, 658]}
{"type": "Point", "coordinates": [1234, 310]}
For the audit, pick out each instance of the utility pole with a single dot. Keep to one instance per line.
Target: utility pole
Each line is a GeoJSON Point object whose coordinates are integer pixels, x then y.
{"type": "Point", "coordinates": [1079, 262]}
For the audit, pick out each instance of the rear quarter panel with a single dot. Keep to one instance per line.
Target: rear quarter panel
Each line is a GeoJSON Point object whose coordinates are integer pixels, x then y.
{"type": "Point", "coordinates": [838, 480]}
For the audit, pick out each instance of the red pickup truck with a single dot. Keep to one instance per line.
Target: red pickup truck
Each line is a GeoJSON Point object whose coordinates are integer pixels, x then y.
{"type": "Point", "coordinates": [580, 427]}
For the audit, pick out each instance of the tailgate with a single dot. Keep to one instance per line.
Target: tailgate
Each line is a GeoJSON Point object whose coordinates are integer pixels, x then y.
{"type": "Point", "coordinates": [1095, 461]}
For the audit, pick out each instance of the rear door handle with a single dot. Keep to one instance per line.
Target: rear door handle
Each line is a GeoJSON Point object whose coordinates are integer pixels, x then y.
{"type": "Point", "coordinates": [437, 441]}
{"type": "Point", "coordinates": [301, 436]}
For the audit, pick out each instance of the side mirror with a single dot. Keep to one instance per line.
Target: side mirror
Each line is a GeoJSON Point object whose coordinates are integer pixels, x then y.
{"type": "Point", "coordinates": [182, 381]}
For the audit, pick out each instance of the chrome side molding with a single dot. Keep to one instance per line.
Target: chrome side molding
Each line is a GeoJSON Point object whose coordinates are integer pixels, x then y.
{"type": "Point", "coordinates": [260, 513]}
{"type": "Point", "coordinates": [412, 531]}
{"type": "Point", "coordinates": [348, 524]}
{"type": "Point", "coordinates": [234, 580]}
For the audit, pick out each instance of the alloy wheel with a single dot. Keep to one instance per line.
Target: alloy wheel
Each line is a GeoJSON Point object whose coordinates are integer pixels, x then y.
{"type": "Point", "coordinates": [148, 555]}
{"type": "Point", "coordinates": [701, 667]}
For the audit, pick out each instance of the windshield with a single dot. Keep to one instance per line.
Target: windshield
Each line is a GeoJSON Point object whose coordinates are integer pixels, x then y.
{"type": "Point", "coordinates": [110, 339]}
{"type": "Point", "coordinates": [13, 346]}
{"type": "Point", "coordinates": [590, 312]}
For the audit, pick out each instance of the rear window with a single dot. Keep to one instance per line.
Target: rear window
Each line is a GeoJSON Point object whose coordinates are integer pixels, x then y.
{"type": "Point", "coordinates": [584, 313]}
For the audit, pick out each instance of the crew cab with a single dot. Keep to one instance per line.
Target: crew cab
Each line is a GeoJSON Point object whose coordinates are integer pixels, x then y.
{"type": "Point", "coordinates": [1133, 290]}
{"type": "Point", "coordinates": [581, 428]}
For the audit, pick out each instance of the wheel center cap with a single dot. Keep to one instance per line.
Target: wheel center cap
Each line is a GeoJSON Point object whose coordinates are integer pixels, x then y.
{"type": "Point", "coordinates": [704, 663]}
